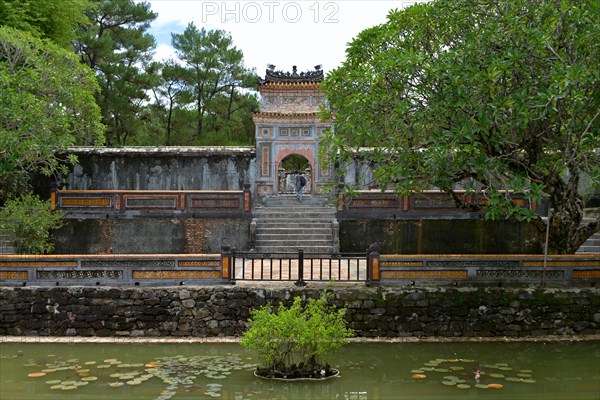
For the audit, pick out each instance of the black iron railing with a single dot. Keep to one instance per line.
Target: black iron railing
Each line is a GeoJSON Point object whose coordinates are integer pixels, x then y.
{"type": "Point", "coordinates": [299, 267]}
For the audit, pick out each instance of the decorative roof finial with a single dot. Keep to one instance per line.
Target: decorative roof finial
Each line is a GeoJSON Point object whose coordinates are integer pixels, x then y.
{"type": "Point", "coordinates": [279, 76]}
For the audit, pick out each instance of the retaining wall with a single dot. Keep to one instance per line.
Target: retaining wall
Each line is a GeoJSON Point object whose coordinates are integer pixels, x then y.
{"type": "Point", "coordinates": [223, 311]}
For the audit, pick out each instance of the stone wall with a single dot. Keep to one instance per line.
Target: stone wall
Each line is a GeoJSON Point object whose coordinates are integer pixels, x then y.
{"type": "Point", "coordinates": [223, 311]}
{"type": "Point", "coordinates": [162, 168]}
{"type": "Point", "coordinates": [151, 235]}
{"type": "Point", "coordinates": [439, 236]}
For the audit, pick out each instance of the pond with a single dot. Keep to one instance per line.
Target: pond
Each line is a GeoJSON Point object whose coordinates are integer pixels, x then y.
{"type": "Point", "coordinates": [373, 371]}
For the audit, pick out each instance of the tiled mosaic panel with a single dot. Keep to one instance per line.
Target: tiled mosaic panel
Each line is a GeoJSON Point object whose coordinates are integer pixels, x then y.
{"type": "Point", "coordinates": [423, 274]}
{"type": "Point", "coordinates": [38, 264]}
{"type": "Point", "coordinates": [14, 274]}
{"type": "Point", "coordinates": [520, 274]}
{"type": "Point", "coordinates": [176, 274]}
{"type": "Point", "coordinates": [92, 274]}
{"type": "Point", "coordinates": [476, 263]}
{"type": "Point", "coordinates": [401, 263]}
{"type": "Point", "coordinates": [129, 263]}
{"type": "Point", "coordinates": [566, 263]}
{"type": "Point", "coordinates": [582, 274]}
{"type": "Point", "coordinates": [194, 263]}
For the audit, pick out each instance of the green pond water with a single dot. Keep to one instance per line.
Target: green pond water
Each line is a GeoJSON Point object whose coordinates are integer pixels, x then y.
{"type": "Point", "coordinates": [524, 370]}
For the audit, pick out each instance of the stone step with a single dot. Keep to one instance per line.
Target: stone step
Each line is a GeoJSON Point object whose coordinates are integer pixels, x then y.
{"type": "Point", "coordinates": [285, 225]}
{"type": "Point", "coordinates": [293, 212]}
{"type": "Point", "coordinates": [290, 200]}
{"type": "Point", "coordinates": [290, 237]}
{"type": "Point", "coordinates": [286, 230]}
{"type": "Point", "coordinates": [295, 223]}
{"type": "Point", "coordinates": [588, 249]}
{"type": "Point", "coordinates": [293, 242]}
{"type": "Point", "coordinates": [294, 249]}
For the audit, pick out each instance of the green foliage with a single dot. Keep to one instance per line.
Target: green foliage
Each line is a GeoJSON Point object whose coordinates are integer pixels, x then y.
{"type": "Point", "coordinates": [118, 48]}
{"type": "Point", "coordinates": [295, 162]}
{"type": "Point", "coordinates": [216, 84]}
{"type": "Point", "coordinates": [30, 220]}
{"type": "Point", "coordinates": [47, 19]}
{"type": "Point", "coordinates": [301, 335]}
{"type": "Point", "coordinates": [500, 98]}
{"type": "Point", "coordinates": [46, 103]}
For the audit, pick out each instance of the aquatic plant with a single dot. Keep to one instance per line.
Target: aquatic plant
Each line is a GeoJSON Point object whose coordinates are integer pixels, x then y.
{"type": "Point", "coordinates": [294, 342]}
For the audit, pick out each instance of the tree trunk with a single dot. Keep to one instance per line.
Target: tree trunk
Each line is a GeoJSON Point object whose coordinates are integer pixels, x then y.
{"type": "Point", "coordinates": [566, 234]}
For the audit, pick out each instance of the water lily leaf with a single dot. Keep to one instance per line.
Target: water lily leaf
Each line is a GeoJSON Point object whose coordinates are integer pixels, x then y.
{"type": "Point", "coordinates": [463, 386]}
{"type": "Point", "coordinates": [36, 374]}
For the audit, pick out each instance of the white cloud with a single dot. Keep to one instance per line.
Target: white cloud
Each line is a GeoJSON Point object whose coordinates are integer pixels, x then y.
{"type": "Point", "coordinates": [281, 32]}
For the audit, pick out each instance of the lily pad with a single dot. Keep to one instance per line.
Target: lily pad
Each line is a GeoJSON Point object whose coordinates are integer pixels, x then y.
{"type": "Point", "coordinates": [115, 384]}
{"type": "Point", "coordinates": [497, 375]}
{"type": "Point", "coordinates": [449, 383]}
{"type": "Point", "coordinates": [53, 382]}
{"type": "Point", "coordinates": [89, 378]}
{"type": "Point", "coordinates": [463, 386]}
{"type": "Point", "coordinates": [481, 386]}
{"type": "Point", "coordinates": [528, 380]}
{"type": "Point", "coordinates": [36, 374]}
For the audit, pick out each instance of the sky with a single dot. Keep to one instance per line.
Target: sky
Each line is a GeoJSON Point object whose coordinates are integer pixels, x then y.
{"type": "Point", "coordinates": [285, 33]}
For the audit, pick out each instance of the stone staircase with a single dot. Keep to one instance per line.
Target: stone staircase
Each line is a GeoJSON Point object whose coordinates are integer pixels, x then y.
{"type": "Point", "coordinates": [283, 225]}
{"type": "Point", "coordinates": [592, 245]}
{"type": "Point", "coordinates": [6, 242]}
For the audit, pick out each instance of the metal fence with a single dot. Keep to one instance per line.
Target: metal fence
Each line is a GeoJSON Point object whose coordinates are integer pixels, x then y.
{"type": "Point", "coordinates": [299, 267]}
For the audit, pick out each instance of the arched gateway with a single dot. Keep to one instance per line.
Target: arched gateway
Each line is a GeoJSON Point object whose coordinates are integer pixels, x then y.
{"type": "Point", "coordinates": [288, 123]}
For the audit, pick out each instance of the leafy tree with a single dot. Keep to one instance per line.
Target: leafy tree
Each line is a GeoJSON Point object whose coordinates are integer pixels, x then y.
{"type": "Point", "coordinates": [487, 95]}
{"type": "Point", "coordinates": [119, 50]}
{"type": "Point", "coordinates": [215, 77]}
{"type": "Point", "coordinates": [167, 95]}
{"type": "Point", "coordinates": [30, 220]}
{"type": "Point", "coordinates": [47, 19]}
{"type": "Point", "coordinates": [46, 103]}
{"type": "Point", "coordinates": [296, 340]}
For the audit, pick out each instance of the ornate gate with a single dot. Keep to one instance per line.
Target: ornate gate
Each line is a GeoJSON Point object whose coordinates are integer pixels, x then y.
{"type": "Point", "coordinates": [288, 123]}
